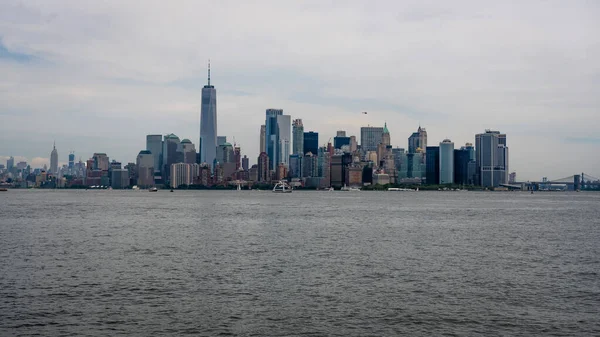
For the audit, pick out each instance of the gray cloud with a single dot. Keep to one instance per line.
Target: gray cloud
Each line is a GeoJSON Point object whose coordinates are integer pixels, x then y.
{"type": "Point", "coordinates": [108, 73]}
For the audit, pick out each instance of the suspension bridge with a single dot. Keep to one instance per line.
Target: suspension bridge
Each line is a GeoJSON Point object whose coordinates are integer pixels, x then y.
{"type": "Point", "coordinates": [575, 182]}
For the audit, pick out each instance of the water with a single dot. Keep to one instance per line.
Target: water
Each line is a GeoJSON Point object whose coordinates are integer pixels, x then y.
{"type": "Point", "coordinates": [255, 263]}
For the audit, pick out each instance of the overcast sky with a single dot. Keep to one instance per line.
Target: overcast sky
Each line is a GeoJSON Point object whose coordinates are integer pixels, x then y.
{"type": "Point", "coordinates": [97, 76]}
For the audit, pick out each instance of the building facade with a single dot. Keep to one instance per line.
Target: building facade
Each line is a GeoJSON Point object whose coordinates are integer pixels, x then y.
{"type": "Point", "coordinates": [446, 162]}
{"type": "Point", "coordinates": [491, 157]}
{"type": "Point", "coordinates": [145, 167]}
{"type": "Point", "coordinates": [208, 123]}
{"type": "Point", "coordinates": [181, 174]}
{"type": "Point", "coordinates": [370, 137]}
{"type": "Point", "coordinates": [311, 143]}
{"type": "Point", "coordinates": [298, 137]}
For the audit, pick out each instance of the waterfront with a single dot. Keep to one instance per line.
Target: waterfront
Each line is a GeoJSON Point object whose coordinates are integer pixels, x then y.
{"type": "Point", "coordinates": [313, 263]}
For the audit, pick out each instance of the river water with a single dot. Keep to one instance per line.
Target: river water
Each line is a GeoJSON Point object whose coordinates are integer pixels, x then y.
{"type": "Point", "coordinates": [255, 263]}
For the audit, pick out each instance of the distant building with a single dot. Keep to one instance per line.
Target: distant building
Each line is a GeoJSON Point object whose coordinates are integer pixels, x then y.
{"type": "Point", "coordinates": [381, 179]}
{"type": "Point", "coordinates": [284, 139]}
{"type": "Point", "coordinates": [353, 144]}
{"type": "Point", "coordinates": [187, 152]}
{"type": "Point", "coordinates": [446, 164]}
{"type": "Point", "coordinates": [271, 139]}
{"type": "Point", "coordinates": [180, 174]}
{"type": "Point", "coordinates": [170, 154]}
{"type": "Point", "coordinates": [145, 166]}
{"type": "Point", "coordinates": [491, 158]}
{"type": "Point", "coordinates": [311, 143]}
{"type": "Point", "coordinates": [512, 178]}
{"type": "Point", "coordinates": [154, 144]}
{"type": "Point", "coordinates": [298, 137]}
{"type": "Point", "coordinates": [71, 161]}
{"type": "Point", "coordinates": [245, 163]}
{"type": "Point", "coordinates": [263, 139]}
{"type": "Point", "coordinates": [264, 168]}
{"type": "Point", "coordinates": [54, 160]}
{"type": "Point", "coordinates": [295, 168]}
{"type": "Point", "coordinates": [119, 179]}
{"type": "Point", "coordinates": [100, 161]}
{"type": "Point", "coordinates": [208, 124]}
{"type": "Point", "coordinates": [418, 140]}
{"type": "Point", "coordinates": [432, 167]}
{"type": "Point", "coordinates": [370, 137]}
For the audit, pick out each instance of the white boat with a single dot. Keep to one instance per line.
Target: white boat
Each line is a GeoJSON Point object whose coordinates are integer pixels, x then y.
{"type": "Point", "coordinates": [153, 189]}
{"type": "Point", "coordinates": [282, 187]}
{"type": "Point", "coordinates": [354, 189]}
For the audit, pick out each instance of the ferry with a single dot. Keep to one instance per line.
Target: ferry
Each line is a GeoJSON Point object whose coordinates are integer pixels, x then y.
{"type": "Point", "coordinates": [3, 190]}
{"type": "Point", "coordinates": [282, 187]}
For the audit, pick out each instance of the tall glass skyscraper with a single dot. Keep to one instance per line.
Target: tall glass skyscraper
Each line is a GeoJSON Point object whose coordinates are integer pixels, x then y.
{"type": "Point", "coordinates": [284, 135]}
{"type": "Point", "coordinates": [491, 155]}
{"type": "Point", "coordinates": [154, 144]}
{"type": "Point", "coordinates": [370, 137]}
{"type": "Point", "coordinates": [271, 136]}
{"type": "Point", "coordinates": [208, 124]}
{"type": "Point", "coordinates": [298, 137]}
{"type": "Point", "coordinates": [447, 162]}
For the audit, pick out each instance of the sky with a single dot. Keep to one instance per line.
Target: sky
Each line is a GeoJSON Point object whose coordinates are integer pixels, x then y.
{"type": "Point", "coordinates": [98, 76]}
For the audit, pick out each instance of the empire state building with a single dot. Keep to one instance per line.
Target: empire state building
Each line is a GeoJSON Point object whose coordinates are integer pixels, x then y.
{"type": "Point", "coordinates": [208, 123]}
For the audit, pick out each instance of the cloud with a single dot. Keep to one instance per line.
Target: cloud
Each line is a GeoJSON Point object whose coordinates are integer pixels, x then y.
{"type": "Point", "coordinates": [107, 73]}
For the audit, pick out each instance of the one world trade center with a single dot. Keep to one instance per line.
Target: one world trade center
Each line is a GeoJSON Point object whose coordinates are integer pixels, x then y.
{"type": "Point", "coordinates": [208, 124]}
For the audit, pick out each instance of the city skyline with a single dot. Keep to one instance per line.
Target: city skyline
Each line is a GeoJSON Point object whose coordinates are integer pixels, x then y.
{"type": "Point", "coordinates": [535, 82]}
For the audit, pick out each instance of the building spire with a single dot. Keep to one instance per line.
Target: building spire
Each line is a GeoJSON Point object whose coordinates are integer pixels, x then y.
{"type": "Point", "coordinates": [208, 72]}
{"type": "Point", "coordinates": [54, 145]}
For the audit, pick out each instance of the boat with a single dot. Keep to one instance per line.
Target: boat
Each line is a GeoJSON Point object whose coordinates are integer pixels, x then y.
{"type": "Point", "coordinates": [153, 189]}
{"type": "Point", "coordinates": [171, 190]}
{"type": "Point", "coordinates": [135, 188]}
{"type": "Point", "coordinates": [354, 189]}
{"type": "Point", "coordinates": [282, 187]}
{"type": "Point", "coordinates": [331, 189]}
{"type": "Point", "coordinates": [3, 190]}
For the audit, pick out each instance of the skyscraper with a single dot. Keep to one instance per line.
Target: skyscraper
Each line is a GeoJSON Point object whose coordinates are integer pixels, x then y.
{"type": "Point", "coordinates": [418, 140]}
{"type": "Point", "coordinates": [491, 157]}
{"type": "Point", "coordinates": [298, 137]}
{"type": "Point", "coordinates": [208, 123]}
{"type": "Point", "coordinates": [170, 146]}
{"type": "Point", "coordinates": [284, 141]}
{"type": "Point", "coordinates": [145, 167]}
{"type": "Point", "coordinates": [311, 143]}
{"type": "Point", "coordinates": [263, 168]}
{"type": "Point", "coordinates": [370, 137]}
{"type": "Point", "coordinates": [263, 139]}
{"type": "Point", "coordinates": [271, 141]}
{"type": "Point", "coordinates": [446, 162]}
{"type": "Point", "coordinates": [187, 152]}
{"type": "Point", "coordinates": [155, 146]}
{"type": "Point", "coordinates": [432, 165]}
{"type": "Point", "coordinates": [71, 160]}
{"type": "Point", "coordinates": [385, 136]}
{"type": "Point", "coordinates": [54, 160]}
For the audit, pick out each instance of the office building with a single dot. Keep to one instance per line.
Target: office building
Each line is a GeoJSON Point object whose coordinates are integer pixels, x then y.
{"type": "Point", "coordinates": [311, 143]}
{"type": "Point", "coordinates": [208, 124]}
{"type": "Point", "coordinates": [71, 161]}
{"type": "Point", "coordinates": [432, 166]}
{"type": "Point", "coordinates": [264, 168]}
{"type": "Point", "coordinates": [170, 154]}
{"type": "Point", "coordinates": [446, 162]}
{"type": "Point", "coordinates": [154, 144]}
{"type": "Point", "coordinates": [187, 152]}
{"type": "Point", "coordinates": [370, 137]}
{"type": "Point", "coordinates": [100, 161]}
{"type": "Point", "coordinates": [245, 163]}
{"type": "Point", "coordinates": [491, 157]}
{"type": "Point", "coordinates": [145, 168]}
{"type": "Point", "coordinates": [271, 133]}
{"type": "Point", "coordinates": [284, 139]}
{"type": "Point", "coordinates": [417, 142]}
{"type": "Point", "coordinates": [119, 178]}
{"type": "Point", "coordinates": [54, 160]}
{"type": "Point", "coordinates": [295, 168]}
{"type": "Point", "coordinates": [263, 139]}
{"type": "Point", "coordinates": [181, 174]}
{"type": "Point", "coordinates": [298, 137]}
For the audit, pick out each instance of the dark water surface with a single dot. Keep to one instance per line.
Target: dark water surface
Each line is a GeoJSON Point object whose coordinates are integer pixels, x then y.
{"type": "Point", "coordinates": [92, 263]}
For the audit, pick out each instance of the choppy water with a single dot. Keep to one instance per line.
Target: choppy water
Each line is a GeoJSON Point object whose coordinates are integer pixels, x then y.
{"type": "Point", "coordinates": [309, 263]}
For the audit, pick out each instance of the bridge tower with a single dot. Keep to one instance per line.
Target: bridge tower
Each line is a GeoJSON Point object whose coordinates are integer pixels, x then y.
{"type": "Point", "coordinates": [577, 182]}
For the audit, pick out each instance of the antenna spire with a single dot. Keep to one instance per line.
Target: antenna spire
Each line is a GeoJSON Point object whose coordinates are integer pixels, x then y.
{"type": "Point", "coordinates": [208, 72]}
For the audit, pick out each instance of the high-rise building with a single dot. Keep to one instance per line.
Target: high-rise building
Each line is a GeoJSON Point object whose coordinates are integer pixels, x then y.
{"type": "Point", "coordinates": [154, 144]}
{"type": "Point", "coordinates": [187, 152]}
{"type": "Point", "coordinates": [432, 165]}
{"type": "Point", "coordinates": [245, 163]}
{"type": "Point", "coordinates": [271, 132]}
{"type": "Point", "coordinates": [208, 123]}
{"type": "Point", "coordinates": [221, 140]}
{"type": "Point", "coordinates": [71, 161]}
{"type": "Point", "coordinates": [385, 136]}
{"type": "Point", "coordinates": [145, 167]}
{"type": "Point", "coordinates": [264, 169]}
{"type": "Point", "coordinates": [418, 140]}
{"type": "Point", "coordinates": [237, 157]}
{"type": "Point", "coordinates": [370, 137]}
{"type": "Point", "coordinates": [119, 178]}
{"type": "Point", "coordinates": [340, 140]}
{"type": "Point", "coordinates": [100, 161]}
{"type": "Point", "coordinates": [340, 133]}
{"type": "Point", "coordinates": [181, 174]}
{"type": "Point", "coordinates": [54, 160]}
{"type": "Point", "coordinates": [353, 144]}
{"type": "Point", "coordinates": [298, 137]}
{"type": "Point", "coordinates": [263, 139]}
{"type": "Point", "coordinates": [512, 177]}
{"type": "Point", "coordinates": [225, 153]}
{"type": "Point", "coordinates": [446, 162]}
{"type": "Point", "coordinates": [10, 163]}
{"type": "Point", "coordinates": [491, 156]}
{"type": "Point", "coordinates": [311, 143]}
{"type": "Point", "coordinates": [284, 139]}
{"type": "Point", "coordinates": [295, 168]}
{"type": "Point", "coordinates": [170, 154]}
